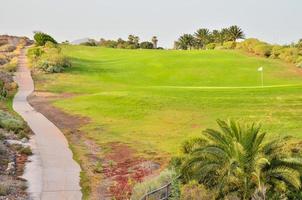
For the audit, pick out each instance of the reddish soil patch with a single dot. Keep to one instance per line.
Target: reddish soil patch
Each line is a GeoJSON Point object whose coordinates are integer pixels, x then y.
{"type": "Point", "coordinates": [20, 163]}
{"type": "Point", "coordinates": [125, 168]}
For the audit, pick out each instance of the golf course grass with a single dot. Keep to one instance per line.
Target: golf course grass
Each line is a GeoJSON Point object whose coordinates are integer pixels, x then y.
{"type": "Point", "coordinates": [153, 100]}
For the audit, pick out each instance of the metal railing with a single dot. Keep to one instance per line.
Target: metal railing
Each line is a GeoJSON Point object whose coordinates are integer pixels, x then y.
{"type": "Point", "coordinates": [162, 193]}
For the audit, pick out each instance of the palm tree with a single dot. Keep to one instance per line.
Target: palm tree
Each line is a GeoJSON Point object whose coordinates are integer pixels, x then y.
{"type": "Point", "coordinates": [203, 37]}
{"type": "Point", "coordinates": [235, 33]}
{"type": "Point", "coordinates": [186, 41]}
{"type": "Point", "coordinates": [216, 36]}
{"type": "Point", "coordinates": [154, 41]}
{"type": "Point", "coordinates": [237, 159]}
{"type": "Point", "coordinates": [225, 35]}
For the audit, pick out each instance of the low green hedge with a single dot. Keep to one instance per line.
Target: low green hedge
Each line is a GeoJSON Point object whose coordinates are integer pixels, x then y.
{"type": "Point", "coordinates": [9, 122]}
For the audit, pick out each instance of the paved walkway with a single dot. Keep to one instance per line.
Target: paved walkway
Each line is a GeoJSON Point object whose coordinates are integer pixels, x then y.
{"type": "Point", "coordinates": [52, 173]}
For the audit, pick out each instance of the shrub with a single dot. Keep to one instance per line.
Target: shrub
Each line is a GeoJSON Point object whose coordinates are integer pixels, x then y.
{"type": "Point", "coordinates": [289, 54]}
{"type": "Point", "coordinates": [7, 48]}
{"type": "Point", "coordinates": [90, 42]}
{"type": "Point", "coordinates": [141, 189]}
{"type": "Point", "coordinates": [276, 50]}
{"type": "Point", "coordinates": [11, 66]}
{"type": "Point", "coordinates": [195, 191]}
{"type": "Point", "coordinates": [3, 59]}
{"type": "Point", "coordinates": [263, 50]}
{"type": "Point", "coordinates": [4, 190]}
{"type": "Point", "coordinates": [35, 52]}
{"type": "Point", "coordinates": [98, 167]}
{"type": "Point", "coordinates": [248, 45]}
{"type": "Point", "coordinates": [211, 46]}
{"type": "Point", "coordinates": [9, 122]}
{"type": "Point", "coordinates": [108, 43]}
{"type": "Point", "coordinates": [50, 45]}
{"type": "Point", "coordinates": [229, 45]}
{"type": "Point", "coordinates": [25, 150]}
{"type": "Point", "coordinates": [146, 45]}
{"type": "Point", "coordinates": [9, 186]}
{"type": "Point", "coordinates": [299, 61]}
{"type": "Point", "coordinates": [53, 62]}
{"type": "Point", "coordinates": [131, 46]}
{"type": "Point", "coordinates": [3, 91]}
{"type": "Point", "coordinates": [41, 38]}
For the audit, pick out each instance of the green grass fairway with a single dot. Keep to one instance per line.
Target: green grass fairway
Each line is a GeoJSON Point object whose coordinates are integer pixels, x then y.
{"type": "Point", "coordinates": [153, 100]}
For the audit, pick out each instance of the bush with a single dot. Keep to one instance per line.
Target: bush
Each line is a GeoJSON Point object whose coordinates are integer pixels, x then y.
{"type": "Point", "coordinates": [41, 39]}
{"type": "Point", "coordinates": [108, 43]}
{"type": "Point", "coordinates": [263, 50]}
{"type": "Point", "coordinates": [299, 61]}
{"type": "Point", "coordinates": [50, 45]}
{"type": "Point", "coordinates": [141, 189]}
{"type": "Point", "coordinates": [248, 45]}
{"type": "Point", "coordinates": [53, 62]}
{"type": "Point", "coordinates": [25, 150]}
{"type": "Point", "coordinates": [229, 45]}
{"type": "Point", "coordinates": [131, 46]}
{"type": "Point", "coordinates": [146, 45]}
{"type": "Point", "coordinates": [4, 190]}
{"type": "Point", "coordinates": [195, 191]}
{"type": "Point", "coordinates": [11, 66]}
{"type": "Point", "coordinates": [90, 42]}
{"type": "Point", "coordinates": [7, 48]}
{"type": "Point", "coordinates": [48, 58]}
{"type": "Point", "coordinates": [289, 54]}
{"type": "Point", "coordinates": [3, 91]}
{"type": "Point", "coordinates": [3, 59]}
{"type": "Point", "coordinates": [211, 46]}
{"type": "Point", "coordinates": [35, 52]}
{"type": "Point", "coordinates": [276, 50]}
{"type": "Point", "coordinates": [9, 122]}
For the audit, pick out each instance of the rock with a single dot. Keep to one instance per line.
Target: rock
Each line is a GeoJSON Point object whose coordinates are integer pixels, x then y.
{"type": "Point", "coordinates": [24, 140]}
{"type": "Point", "coordinates": [149, 165]}
{"type": "Point", "coordinates": [11, 168]}
{"type": "Point", "coordinates": [17, 142]}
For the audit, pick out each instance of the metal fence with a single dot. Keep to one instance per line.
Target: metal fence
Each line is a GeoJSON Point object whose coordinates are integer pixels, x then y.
{"type": "Point", "coordinates": [162, 193]}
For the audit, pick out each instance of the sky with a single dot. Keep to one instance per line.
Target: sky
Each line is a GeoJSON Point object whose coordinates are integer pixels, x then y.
{"type": "Point", "coordinates": [274, 21]}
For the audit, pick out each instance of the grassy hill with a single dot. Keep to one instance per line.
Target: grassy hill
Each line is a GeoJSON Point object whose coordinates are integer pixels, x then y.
{"type": "Point", "coordinates": [153, 100]}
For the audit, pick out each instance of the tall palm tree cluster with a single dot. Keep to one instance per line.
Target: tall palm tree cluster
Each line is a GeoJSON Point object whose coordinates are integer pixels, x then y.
{"type": "Point", "coordinates": [237, 161]}
{"type": "Point", "coordinates": [204, 36]}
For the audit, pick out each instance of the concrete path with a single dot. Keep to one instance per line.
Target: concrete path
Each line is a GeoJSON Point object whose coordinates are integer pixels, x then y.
{"type": "Point", "coordinates": [52, 173]}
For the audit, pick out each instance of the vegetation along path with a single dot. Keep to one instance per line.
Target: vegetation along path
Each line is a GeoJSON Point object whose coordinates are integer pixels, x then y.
{"type": "Point", "coordinates": [52, 174]}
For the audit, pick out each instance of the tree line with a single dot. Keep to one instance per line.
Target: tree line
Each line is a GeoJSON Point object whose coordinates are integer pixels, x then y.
{"type": "Point", "coordinates": [203, 37]}
{"type": "Point", "coordinates": [133, 42]}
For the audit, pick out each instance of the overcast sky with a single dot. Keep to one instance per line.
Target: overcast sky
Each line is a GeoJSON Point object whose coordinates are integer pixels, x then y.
{"type": "Point", "coordinates": [276, 21]}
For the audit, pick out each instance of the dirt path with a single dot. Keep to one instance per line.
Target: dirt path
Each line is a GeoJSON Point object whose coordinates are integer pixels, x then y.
{"type": "Point", "coordinates": [52, 174]}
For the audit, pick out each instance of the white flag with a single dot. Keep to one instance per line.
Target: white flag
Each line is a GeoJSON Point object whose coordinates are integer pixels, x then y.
{"type": "Point", "coordinates": [260, 69]}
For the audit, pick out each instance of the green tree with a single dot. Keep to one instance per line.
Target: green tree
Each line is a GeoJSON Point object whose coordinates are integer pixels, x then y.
{"type": "Point", "coordinates": [299, 44]}
{"type": "Point", "coordinates": [185, 42]}
{"type": "Point", "coordinates": [216, 37]}
{"type": "Point", "coordinates": [203, 37]}
{"type": "Point", "coordinates": [133, 42]}
{"type": "Point", "coordinates": [146, 45]}
{"type": "Point", "coordinates": [235, 32]}
{"type": "Point", "coordinates": [41, 38]}
{"type": "Point", "coordinates": [236, 158]}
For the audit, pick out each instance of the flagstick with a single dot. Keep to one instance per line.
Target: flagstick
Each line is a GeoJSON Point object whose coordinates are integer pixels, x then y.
{"type": "Point", "coordinates": [262, 78]}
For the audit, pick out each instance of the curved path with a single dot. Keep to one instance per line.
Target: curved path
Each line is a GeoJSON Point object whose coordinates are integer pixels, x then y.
{"type": "Point", "coordinates": [52, 173]}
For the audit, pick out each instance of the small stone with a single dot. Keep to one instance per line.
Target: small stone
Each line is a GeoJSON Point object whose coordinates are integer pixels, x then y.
{"type": "Point", "coordinates": [24, 140]}
{"type": "Point", "coordinates": [10, 168]}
